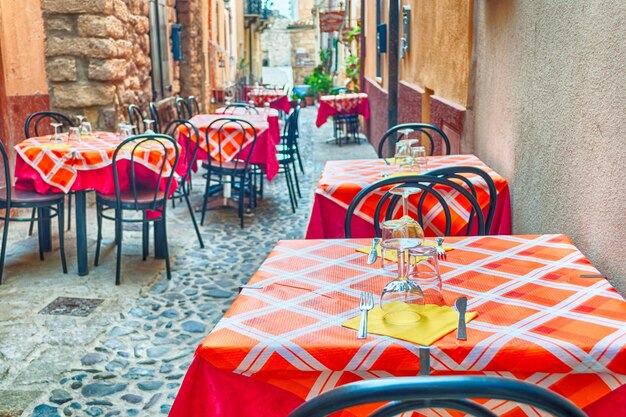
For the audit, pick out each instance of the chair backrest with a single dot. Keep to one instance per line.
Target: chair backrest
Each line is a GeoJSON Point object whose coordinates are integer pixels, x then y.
{"type": "Point", "coordinates": [456, 173]}
{"type": "Point", "coordinates": [193, 105]}
{"type": "Point", "coordinates": [162, 112]}
{"type": "Point", "coordinates": [134, 149]}
{"type": "Point", "coordinates": [387, 203]}
{"type": "Point", "coordinates": [424, 129]}
{"type": "Point", "coordinates": [247, 108]}
{"type": "Point", "coordinates": [32, 127]}
{"type": "Point", "coordinates": [172, 129]}
{"type": "Point", "coordinates": [290, 131]}
{"type": "Point", "coordinates": [235, 134]}
{"type": "Point", "coordinates": [135, 118]}
{"type": "Point", "coordinates": [5, 183]}
{"type": "Point", "coordinates": [183, 111]}
{"type": "Point", "coordinates": [404, 394]}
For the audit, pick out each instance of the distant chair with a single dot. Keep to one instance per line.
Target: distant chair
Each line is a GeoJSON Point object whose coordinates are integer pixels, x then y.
{"type": "Point", "coordinates": [162, 112]}
{"type": "Point", "coordinates": [237, 134]}
{"type": "Point", "coordinates": [287, 153]}
{"type": "Point", "coordinates": [136, 196]}
{"type": "Point", "coordinates": [183, 110]}
{"type": "Point", "coordinates": [404, 394]}
{"type": "Point", "coordinates": [32, 126]}
{"type": "Point", "coordinates": [340, 90]}
{"type": "Point", "coordinates": [423, 128]}
{"type": "Point", "coordinates": [11, 197]}
{"type": "Point", "coordinates": [135, 119]}
{"type": "Point", "coordinates": [193, 105]}
{"type": "Point", "coordinates": [236, 108]}
{"type": "Point", "coordinates": [387, 203]}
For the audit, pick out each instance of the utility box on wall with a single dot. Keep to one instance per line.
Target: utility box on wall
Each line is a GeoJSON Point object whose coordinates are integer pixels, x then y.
{"type": "Point", "coordinates": [177, 46]}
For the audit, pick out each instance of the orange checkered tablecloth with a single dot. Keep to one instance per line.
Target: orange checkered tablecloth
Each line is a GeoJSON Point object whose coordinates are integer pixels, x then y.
{"type": "Point", "coordinates": [59, 163]}
{"type": "Point", "coordinates": [341, 181]}
{"type": "Point", "coordinates": [538, 321]}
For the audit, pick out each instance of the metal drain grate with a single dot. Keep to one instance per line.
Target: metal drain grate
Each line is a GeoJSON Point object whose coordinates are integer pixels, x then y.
{"type": "Point", "coordinates": [69, 306]}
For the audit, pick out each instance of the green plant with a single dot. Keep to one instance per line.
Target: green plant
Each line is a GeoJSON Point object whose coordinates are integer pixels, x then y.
{"type": "Point", "coordinates": [353, 70]}
{"type": "Point", "coordinates": [354, 33]}
{"type": "Point", "coordinates": [325, 58]}
{"type": "Point", "coordinates": [320, 81]}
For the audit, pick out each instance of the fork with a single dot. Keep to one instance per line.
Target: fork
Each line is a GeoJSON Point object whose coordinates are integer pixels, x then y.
{"type": "Point", "coordinates": [441, 252]}
{"type": "Point", "coordinates": [366, 303]}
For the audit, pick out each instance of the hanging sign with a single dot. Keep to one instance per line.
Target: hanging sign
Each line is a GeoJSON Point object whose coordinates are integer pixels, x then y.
{"type": "Point", "coordinates": [331, 21]}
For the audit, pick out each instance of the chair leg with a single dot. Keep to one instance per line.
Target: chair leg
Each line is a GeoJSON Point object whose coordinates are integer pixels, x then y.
{"type": "Point", "coordinates": [193, 219]}
{"type": "Point", "coordinates": [33, 215]}
{"type": "Point", "coordinates": [5, 234]}
{"type": "Point", "coordinates": [295, 174]}
{"type": "Point", "coordinates": [166, 249]}
{"type": "Point", "coordinates": [241, 201]}
{"type": "Point", "coordinates": [118, 228]}
{"type": "Point", "coordinates": [299, 157]}
{"type": "Point", "coordinates": [69, 212]}
{"type": "Point", "coordinates": [40, 232]}
{"type": "Point", "coordinates": [205, 199]}
{"type": "Point", "coordinates": [145, 235]}
{"type": "Point", "coordinates": [287, 172]}
{"type": "Point", "coordinates": [61, 220]}
{"type": "Point", "coordinates": [262, 181]}
{"type": "Point", "coordinates": [99, 240]}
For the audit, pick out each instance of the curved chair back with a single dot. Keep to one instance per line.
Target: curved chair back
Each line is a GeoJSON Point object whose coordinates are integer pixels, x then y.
{"type": "Point", "coordinates": [152, 196]}
{"type": "Point", "coordinates": [172, 129]}
{"type": "Point", "coordinates": [404, 394]}
{"type": "Point", "coordinates": [232, 135]}
{"type": "Point", "coordinates": [183, 111]}
{"type": "Point", "coordinates": [5, 185]}
{"type": "Point", "coordinates": [387, 203]}
{"type": "Point", "coordinates": [290, 131]}
{"type": "Point", "coordinates": [427, 130]}
{"type": "Point", "coordinates": [193, 105]}
{"type": "Point", "coordinates": [32, 127]}
{"type": "Point", "coordinates": [247, 109]}
{"type": "Point", "coordinates": [135, 119]}
{"type": "Point", "coordinates": [154, 115]}
{"type": "Point", "coordinates": [456, 173]}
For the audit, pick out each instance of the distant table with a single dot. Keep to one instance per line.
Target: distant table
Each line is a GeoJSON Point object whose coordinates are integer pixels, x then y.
{"type": "Point", "coordinates": [341, 181]}
{"type": "Point", "coordinates": [276, 98]}
{"type": "Point", "coordinates": [51, 167]}
{"type": "Point", "coordinates": [264, 151]}
{"type": "Point", "coordinates": [538, 321]}
{"type": "Point", "coordinates": [342, 104]}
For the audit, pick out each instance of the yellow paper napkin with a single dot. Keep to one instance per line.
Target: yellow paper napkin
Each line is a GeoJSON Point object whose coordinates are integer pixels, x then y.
{"type": "Point", "coordinates": [400, 174]}
{"type": "Point", "coordinates": [436, 322]}
{"type": "Point", "coordinates": [53, 145]}
{"type": "Point", "coordinates": [392, 255]}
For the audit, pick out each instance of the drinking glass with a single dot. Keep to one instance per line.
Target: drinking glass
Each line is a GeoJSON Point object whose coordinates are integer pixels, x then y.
{"type": "Point", "coordinates": [85, 128]}
{"type": "Point", "coordinates": [251, 102]}
{"type": "Point", "coordinates": [402, 157]}
{"type": "Point", "coordinates": [57, 137]}
{"type": "Point", "coordinates": [414, 229]}
{"type": "Point", "coordinates": [123, 131]}
{"type": "Point", "coordinates": [80, 119]}
{"type": "Point", "coordinates": [148, 126]}
{"type": "Point", "coordinates": [391, 229]}
{"type": "Point", "coordinates": [401, 296]}
{"type": "Point", "coordinates": [419, 159]}
{"type": "Point", "coordinates": [74, 135]}
{"type": "Point", "coordinates": [266, 107]}
{"type": "Point", "coordinates": [424, 271]}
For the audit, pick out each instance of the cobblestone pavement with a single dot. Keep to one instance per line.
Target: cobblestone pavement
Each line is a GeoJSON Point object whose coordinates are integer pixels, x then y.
{"type": "Point", "coordinates": [128, 357]}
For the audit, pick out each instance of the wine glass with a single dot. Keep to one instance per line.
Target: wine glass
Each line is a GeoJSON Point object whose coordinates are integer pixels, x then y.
{"type": "Point", "coordinates": [414, 230]}
{"type": "Point", "coordinates": [57, 137]}
{"type": "Point", "coordinates": [148, 126]}
{"type": "Point", "coordinates": [85, 128]}
{"type": "Point", "coordinates": [391, 229]}
{"type": "Point", "coordinates": [401, 298]}
{"type": "Point", "coordinates": [420, 161]}
{"type": "Point", "coordinates": [424, 271]}
{"type": "Point", "coordinates": [266, 107]}
{"type": "Point", "coordinates": [80, 119]}
{"type": "Point", "coordinates": [402, 157]}
{"type": "Point", "coordinates": [74, 134]}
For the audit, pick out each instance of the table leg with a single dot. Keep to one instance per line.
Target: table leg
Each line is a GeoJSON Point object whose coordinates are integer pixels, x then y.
{"type": "Point", "coordinates": [159, 247]}
{"type": "Point", "coordinates": [424, 360]}
{"type": "Point", "coordinates": [44, 225]}
{"type": "Point", "coordinates": [81, 233]}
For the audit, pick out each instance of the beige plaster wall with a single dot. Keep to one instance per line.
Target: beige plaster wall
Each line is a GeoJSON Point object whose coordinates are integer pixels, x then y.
{"type": "Point", "coordinates": [23, 57]}
{"type": "Point", "coordinates": [549, 115]}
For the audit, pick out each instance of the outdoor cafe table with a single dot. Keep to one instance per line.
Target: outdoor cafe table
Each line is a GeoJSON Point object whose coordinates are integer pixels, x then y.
{"type": "Point", "coordinates": [50, 167]}
{"type": "Point", "coordinates": [281, 342]}
{"type": "Point", "coordinates": [341, 181]}
{"type": "Point", "coordinates": [352, 103]}
{"type": "Point", "coordinates": [264, 151]}
{"type": "Point", "coordinates": [276, 98]}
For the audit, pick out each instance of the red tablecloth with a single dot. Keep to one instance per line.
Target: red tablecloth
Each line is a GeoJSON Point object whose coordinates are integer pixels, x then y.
{"type": "Point", "coordinates": [353, 103]}
{"type": "Point", "coordinates": [268, 136]}
{"type": "Point", "coordinates": [341, 181]}
{"type": "Point", "coordinates": [278, 99]}
{"type": "Point", "coordinates": [538, 321]}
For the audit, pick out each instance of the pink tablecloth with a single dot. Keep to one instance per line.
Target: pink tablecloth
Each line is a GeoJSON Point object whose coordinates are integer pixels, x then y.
{"type": "Point", "coordinates": [264, 152]}
{"type": "Point", "coordinates": [277, 99]}
{"type": "Point", "coordinates": [354, 103]}
{"type": "Point", "coordinates": [341, 181]}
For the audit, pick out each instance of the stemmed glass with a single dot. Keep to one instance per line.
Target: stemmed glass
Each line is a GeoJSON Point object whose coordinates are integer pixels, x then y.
{"type": "Point", "coordinates": [80, 119]}
{"type": "Point", "coordinates": [123, 131]}
{"type": "Point", "coordinates": [266, 107]}
{"type": "Point", "coordinates": [148, 125]}
{"type": "Point", "coordinates": [414, 230]}
{"type": "Point", "coordinates": [57, 137]}
{"type": "Point", "coordinates": [420, 161]}
{"type": "Point", "coordinates": [74, 134]}
{"type": "Point", "coordinates": [400, 296]}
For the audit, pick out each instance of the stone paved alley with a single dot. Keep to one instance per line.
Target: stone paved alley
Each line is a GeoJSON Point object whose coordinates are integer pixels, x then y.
{"type": "Point", "coordinates": [129, 356]}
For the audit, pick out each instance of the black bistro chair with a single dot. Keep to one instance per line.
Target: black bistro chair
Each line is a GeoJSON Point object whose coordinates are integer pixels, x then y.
{"type": "Point", "coordinates": [404, 394]}
{"type": "Point", "coordinates": [135, 119]}
{"type": "Point", "coordinates": [183, 110]}
{"type": "Point", "coordinates": [238, 171]}
{"type": "Point", "coordinates": [41, 204]}
{"type": "Point", "coordinates": [388, 203]}
{"type": "Point", "coordinates": [424, 129]}
{"type": "Point", "coordinates": [193, 105]}
{"type": "Point", "coordinates": [238, 108]}
{"type": "Point", "coordinates": [283, 137]}
{"type": "Point", "coordinates": [38, 124]}
{"type": "Point", "coordinates": [137, 197]}
{"type": "Point", "coordinates": [184, 182]}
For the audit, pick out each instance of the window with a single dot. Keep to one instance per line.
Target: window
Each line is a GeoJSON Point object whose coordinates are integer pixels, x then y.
{"type": "Point", "coordinates": [159, 50]}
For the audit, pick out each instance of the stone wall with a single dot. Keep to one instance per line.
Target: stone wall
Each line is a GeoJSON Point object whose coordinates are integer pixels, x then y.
{"type": "Point", "coordinates": [192, 75]}
{"type": "Point", "coordinates": [305, 51]}
{"type": "Point", "coordinates": [98, 57]}
{"type": "Point", "coordinates": [277, 43]}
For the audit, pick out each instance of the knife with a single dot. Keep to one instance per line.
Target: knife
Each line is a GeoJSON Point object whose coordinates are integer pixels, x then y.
{"type": "Point", "coordinates": [371, 258]}
{"type": "Point", "coordinates": [461, 306]}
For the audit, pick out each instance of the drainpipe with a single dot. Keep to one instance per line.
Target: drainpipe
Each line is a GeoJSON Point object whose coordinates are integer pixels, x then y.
{"type": "Point", "coordinates": [393, 70]}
